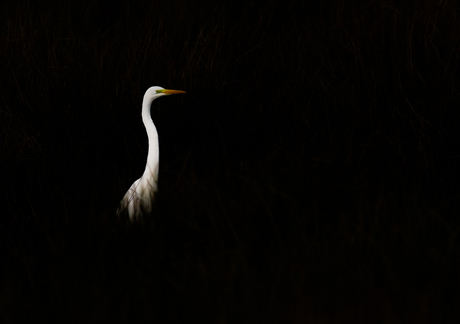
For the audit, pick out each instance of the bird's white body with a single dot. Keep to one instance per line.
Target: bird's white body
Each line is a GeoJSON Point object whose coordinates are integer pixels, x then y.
{"type": "Point", "coordinates": [139, 198]}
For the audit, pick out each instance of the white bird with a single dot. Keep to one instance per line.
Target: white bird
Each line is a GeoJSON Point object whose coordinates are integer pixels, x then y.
{"type": "Point", "coordinates": [138, 199]}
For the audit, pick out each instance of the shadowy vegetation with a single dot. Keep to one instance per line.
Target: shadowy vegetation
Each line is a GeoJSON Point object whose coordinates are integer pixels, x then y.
{"type": "Point", "coordinates": [310, 174]}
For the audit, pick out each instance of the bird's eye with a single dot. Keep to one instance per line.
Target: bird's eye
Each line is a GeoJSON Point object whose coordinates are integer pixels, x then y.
{"type": "Point", "coordinates": [159, 91]}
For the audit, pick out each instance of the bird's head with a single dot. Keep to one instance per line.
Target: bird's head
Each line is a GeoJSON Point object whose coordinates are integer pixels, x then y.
{"type": "Point", "coordinates": [154, 92]}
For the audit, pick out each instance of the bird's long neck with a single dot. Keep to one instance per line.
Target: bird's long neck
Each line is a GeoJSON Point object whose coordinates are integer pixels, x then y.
{"type": "Point", "coordinates": [153, 156]}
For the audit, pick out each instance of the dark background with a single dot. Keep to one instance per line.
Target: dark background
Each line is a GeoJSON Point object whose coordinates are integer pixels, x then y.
{"type": "Point", "coordinates": [309, 175]}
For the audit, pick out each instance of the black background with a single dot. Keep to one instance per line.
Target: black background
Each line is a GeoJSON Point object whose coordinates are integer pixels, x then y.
{"type": "Point", "coordinates": [310, 173]}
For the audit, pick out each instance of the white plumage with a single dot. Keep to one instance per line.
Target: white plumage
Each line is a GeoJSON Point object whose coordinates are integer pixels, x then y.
{"type": "Point", "coordinates": [139, 198]}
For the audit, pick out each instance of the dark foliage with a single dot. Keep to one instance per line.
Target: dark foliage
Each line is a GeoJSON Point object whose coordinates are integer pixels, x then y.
{"type": "Point", "coordinates": [311, 173]}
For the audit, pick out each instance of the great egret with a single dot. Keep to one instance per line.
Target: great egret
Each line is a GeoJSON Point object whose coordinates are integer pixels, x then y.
{"type": "Point", "coordinates": [138, 199]}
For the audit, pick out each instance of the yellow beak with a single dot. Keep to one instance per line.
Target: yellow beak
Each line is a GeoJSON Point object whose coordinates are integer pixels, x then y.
{"type": "Point", "coordinates": [170, 91]}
